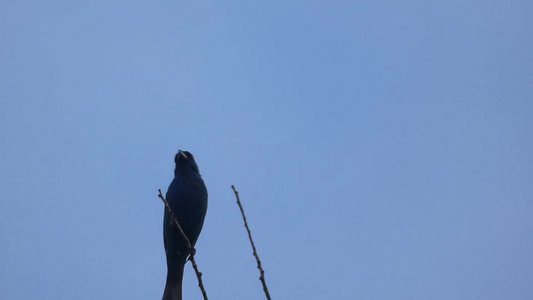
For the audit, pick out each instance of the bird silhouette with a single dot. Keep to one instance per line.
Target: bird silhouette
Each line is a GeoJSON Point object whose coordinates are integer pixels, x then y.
{"type": "Point", "coordinates": [187, 198]}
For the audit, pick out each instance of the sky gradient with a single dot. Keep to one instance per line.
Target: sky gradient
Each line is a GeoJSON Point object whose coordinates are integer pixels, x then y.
{"type": "Point", "coordinates": [382, 149]}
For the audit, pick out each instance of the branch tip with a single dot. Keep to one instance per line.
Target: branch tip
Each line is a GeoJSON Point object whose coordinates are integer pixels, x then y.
{"type": "Point", "coordinates": [258, 261]}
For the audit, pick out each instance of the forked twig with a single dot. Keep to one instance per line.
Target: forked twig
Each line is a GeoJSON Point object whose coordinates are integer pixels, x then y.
{"type": "Point", "coordinates": [187, 243]}
{"type": "Point", "coordinates": [259, 265]}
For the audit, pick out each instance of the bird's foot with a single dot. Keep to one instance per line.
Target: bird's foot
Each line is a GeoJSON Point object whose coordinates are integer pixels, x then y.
{"type": "Point", "coordinates": [190, 252]}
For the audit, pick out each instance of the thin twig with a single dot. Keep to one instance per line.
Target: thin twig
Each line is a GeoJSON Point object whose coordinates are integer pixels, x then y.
{"type": "Point", "coordinates": [259, 265]}
{"type": "Point", "coordinates": [188, 244]}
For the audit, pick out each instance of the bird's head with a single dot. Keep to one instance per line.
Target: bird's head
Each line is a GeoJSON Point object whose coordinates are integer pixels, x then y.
{"type": "Point", "coordinates": [185, 162]}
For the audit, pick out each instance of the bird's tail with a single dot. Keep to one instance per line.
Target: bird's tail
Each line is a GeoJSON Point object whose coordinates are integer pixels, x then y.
{"type": "Point", "coordinates": [174, 280]}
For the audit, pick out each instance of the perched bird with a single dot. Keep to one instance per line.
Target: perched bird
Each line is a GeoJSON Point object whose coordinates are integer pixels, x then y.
{"type": "Point", "coordinates": [187, 198]}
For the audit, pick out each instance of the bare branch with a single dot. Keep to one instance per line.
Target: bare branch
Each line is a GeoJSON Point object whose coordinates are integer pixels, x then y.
{"type": "Point", "coordinates": [259, 265]}
{"type": "Point", "coordinates": [190, 248]}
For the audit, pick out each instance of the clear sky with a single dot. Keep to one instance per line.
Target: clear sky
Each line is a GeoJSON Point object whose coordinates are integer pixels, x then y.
{"type": "Point", "coordinates": [383, 149]}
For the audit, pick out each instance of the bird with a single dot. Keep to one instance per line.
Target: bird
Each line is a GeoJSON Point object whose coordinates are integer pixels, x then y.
{"type": "Point", "coordinates": [187, 198]}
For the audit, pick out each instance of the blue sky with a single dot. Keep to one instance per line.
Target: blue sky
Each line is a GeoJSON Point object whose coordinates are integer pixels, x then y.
{"type": "Point", "coordinates": [382, 149]}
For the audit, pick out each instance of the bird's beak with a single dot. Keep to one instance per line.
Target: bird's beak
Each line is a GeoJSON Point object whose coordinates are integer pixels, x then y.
{"type": "Point", "coordinates": [182, 154]}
